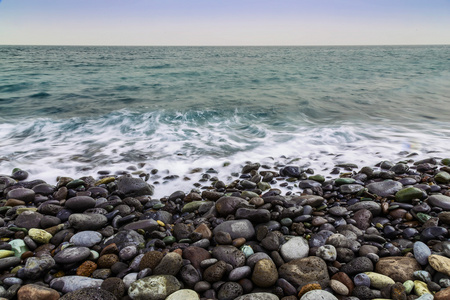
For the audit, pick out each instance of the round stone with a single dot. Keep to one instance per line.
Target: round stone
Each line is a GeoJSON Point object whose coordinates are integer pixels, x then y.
{"type": "Point", "coordinates": [265, 273]}
{"type": "Point", "coordinates": [295, 248]}
{"type": "Point", "coordinates": [72, 255]}
{"type": "Point", "coordinates": [86, 238]}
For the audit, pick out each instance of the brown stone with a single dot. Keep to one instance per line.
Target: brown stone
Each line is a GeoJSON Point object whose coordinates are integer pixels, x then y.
{"type": "Point", "coordinates": [14, 202]}
{"type": "Point", "coordinates": [440, 263]}
{"type": "Point", "coordinates": [150, 260]}
{"type": "Point", "coordinates": [106, 261]}
{"type": "Point", "coordinates": [303, 271]}
{"type": "Point", "coordinates": [110, 249]}
{"type": "Point", "coordinates": [265, 273]}
{"type": "Point", "coordinates": [345, 279]}
{"type": "Point", "coordinates": [37, 292]}
{"type": "Point", "coordinates": [443, 294]}
{"type": "Point", "coordinates": [399, 268]}
{"type": "Point", "coordinates": [215, 272]}
{"type": "Point", "coordinates": [309, 287]}
{"type": "Point", "coordinates": [398, 291]}
{"type": "Point", "coordinates": [196, 255]}
{"type": "Point", "coordinates": [238, 242]}
{"type": "Point", "coordinates": [204, 230]}
{"type": "Point", "coordinates": [87, 268]}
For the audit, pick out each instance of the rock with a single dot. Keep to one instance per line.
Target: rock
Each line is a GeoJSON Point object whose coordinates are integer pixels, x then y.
{"type": "Point", "coordinates": [134, 187]}
{"type": "Point", "coordinates": [23, 194]}
{"type": "Point", "coordinates": [350, 188]}
{"type": "Point", "coordinates": [115, 286]}
{"type": "Point", "coordinates": [295, 248]}
{"type": "Point", "coordinates": [379, 281]}
{"type": "Point", "coordinates": [36, 267]}
{"type": "Point", "coordinates": [8, 262]}
{"type": "Point", "coordinates": [253, 215]}
{"type": "Point", "coordinates": [291, 171]}
{"type": "Point", "coordinates": [443, 294]}
{"type": "Point", "coordinates": [148, 225]}
{"type": "Point", "coordinates": [123, 239]}
{"type": "Point", "coordinates": [240, 272]}
{"type": "Point", "coordinates": [89, 293]}
{"type": "Point", "coordinates": [170, 264]}
{"type": "Point", "coordinates": [421, 253]}
{"type": "Point", "coordinates": [72, 255]}
{"type": "Point", "coordinates": [441, 201]}
{"type": "Point", "coordinates": [408, 194]}
{"type": "Point", "coordinates": [67, 284]}
{"type": "Point", "coordinates": [80, 203]}
{"type": "Point", "coordinates": [29, 220]}
{"type": "Point", "coordinates": [230, 291]}
{"type": "Point", "coordinates": [399, 268]}
{"type": "Point", "coordinates": [305, 270]}
{"type": "Point", "coordinates": [86, 238]}
{"type": "Point", "coordinates": [229, 254]}
{"type": "Point", "coordinates": [196, 255]}
{"type": "Point", "coordinates": [237, 229]}
{"type": "Point", "coordinates": [339, 288]}
{"type": "Point", "coordinates": [258, 296]}
{"type": "Point", "coordinates": [442, 177]}
{"type": "Point", "coordinates": [358, 265]}
{"type": "Point", "coordinates": [327, 252]}
{"type": "Point", "coordinates": [37, 292]}
{"type": "Point", "coordinates": [215, 272]}
{"type": "Point", "coordinates": [155, 287]}
{"type": "Point", "coordinates": [440, 263]}
{"type": "Point", "coordinates": [87, 221]}
{"type": "Point", "coordinates": [39, 235]}
{"type": "Point", "coordinates": [385, 188]}
{"type": "Point", "coordinates": [265, 273]}
{"type": "Point", "coordinates": [318, 294]}
{"type": "Point", "coordinates": [184, 294]}
{"type": "Point", "coordinates": [228, 205]}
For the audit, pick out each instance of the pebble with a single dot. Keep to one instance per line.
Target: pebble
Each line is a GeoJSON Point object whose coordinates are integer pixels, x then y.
{"type": "Point", "coordinates": [155, 287]}
{"type": "Point", "coordinates": [296, 247]}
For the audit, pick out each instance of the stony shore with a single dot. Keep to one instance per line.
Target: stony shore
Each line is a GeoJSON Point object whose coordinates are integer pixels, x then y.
{"type": "Point", "coordinates": [378, 232]}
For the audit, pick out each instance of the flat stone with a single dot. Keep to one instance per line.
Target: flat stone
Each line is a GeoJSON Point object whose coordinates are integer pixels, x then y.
{"type": "Point", "coordinates": [237, 229]}
{"type": "Point", "coordinates": [184, 294]}
{"type": "Point", "coordinates": [408, 194]}
{"type": "Point", "coordinates": [148, 225]}
{"type": "Point", "coordinates": [440, 263]}
{"type": "Point", "coordinates": [9, 262]}
{"type": "Point", "coordinates": [318, 294]}
{"type": "Point", "coordinates": [385, 188]}
{"type": "Point", "coordinates": [441, 201]}
{"type": "Point", "coordinates": [134, 187]}
{"type": "Point", "coordinates": [28, 220]}
{"type": "Point", "coordinates": [72, 255]}
{"type": "Point", "coordinates": [37, 292]}
{"type": "Point", "coordinates": [86, 238]}
{"type": "Point", "coordinates": [421, 253]}
{"type": "Point", "coordinates": [80, 203]}
{"type": "Point", "coordinates": [399, 268]}
{"type": "Point", "coordinates": [89, 293]}
{"type": "Point", "coordinates": [88, 221]}
{"type": "Point", "coordinates": [26, 195]}
{"type": "Point", "coordinates": [295, 248]}
{"type": "Point", "coordinates": [379, 281]}
{"type": "Point", "coordinates": [302, 271]}
{"type": "Point", "coordinates": [67, 284]}
{"type": "Point", "coordinates": [155, 287]}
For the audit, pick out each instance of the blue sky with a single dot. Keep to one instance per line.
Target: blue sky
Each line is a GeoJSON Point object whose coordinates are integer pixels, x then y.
{"type": "Point", "coordinates": [227, 22]}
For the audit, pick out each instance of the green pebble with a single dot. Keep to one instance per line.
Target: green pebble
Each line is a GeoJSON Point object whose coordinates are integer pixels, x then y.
{"type": "Point", "coordinates": [19, 247]}
{"type": "Point", "coordinates": [248, 194]}
{"type": "Point", "coordinates": [109, 208]}
{"type": "Point", "coordinates": [291, 179]}
{"type": "Point", "coordinates": [4, 208]}
{"type": "Point", "coordinates": [263, 186]}
{"type": "Point", "coordinates": [188, 241]}
{"type": "Point", "coordinates": [392, 207]}
{"type": "Point", "coordinates": [94, 255]}
{"type": "Point", "coordinates": [247, 250]}
{"type": "Point", "coordinates": [158, 206]}
{"type": "Point", "coordinates": [408, 194]}
{"type": "Point", "coordinates": [318, 178]}
{"type": "Point", "coordinates": [15, 170]}
{"type": "Point", "coordinates": [39, 235]}
{"type": "Point", "coordinates": [307, 225]}
{"type": "Point", "coordinates": [409, 285]}
{"type": "Point", "coordinates": [442, 177]}
{"type": "Point", "coordinates": [6, 253]}
{"type": "Point", "coordinates": [169, 240]}
{"type": "Point", "coordinates": [18, 229]}
{"type": "Point", "coordinates": [286, 222]}
{"type": "Point", "coordinates": [322, 207]}
{"type": "Point", "coordinates": [192, 206]}
{"type": "Point", "coordinates": [423, 217]}
{"type": "Point", "coordinates": [446, 161]}
{"type": "Point", "coordinates": [75, 183]}
{"type": "Point", "coordinates": [226, 164]}
{"type": "Point", "coordinates": [341, 181]}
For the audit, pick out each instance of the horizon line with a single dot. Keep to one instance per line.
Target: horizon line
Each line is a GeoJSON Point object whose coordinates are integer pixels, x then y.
{"type": "Point", "coordinates": [236, 45]}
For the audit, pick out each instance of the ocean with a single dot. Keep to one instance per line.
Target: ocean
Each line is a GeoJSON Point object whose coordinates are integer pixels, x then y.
{"type": "Point", "coordinates": [76, 111]}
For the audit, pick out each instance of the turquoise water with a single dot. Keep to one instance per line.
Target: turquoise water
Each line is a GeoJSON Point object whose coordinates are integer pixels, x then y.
{"type": "Point", "coordinates": [76, 110]}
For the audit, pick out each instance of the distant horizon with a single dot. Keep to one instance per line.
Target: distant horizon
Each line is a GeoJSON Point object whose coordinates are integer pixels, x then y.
{"type": "Point", "coordinates": [224, 23]}
{"type": "Point", "coordinates": [193, 46]}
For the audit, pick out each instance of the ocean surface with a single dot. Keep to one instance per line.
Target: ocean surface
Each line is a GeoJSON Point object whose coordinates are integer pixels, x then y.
{"type": "Point", "coordinates": [74, 111]}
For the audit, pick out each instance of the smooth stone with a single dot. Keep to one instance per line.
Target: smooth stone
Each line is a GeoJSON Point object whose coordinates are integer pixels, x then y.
{"type": "Point", "coordinates": [408, 194]}
{"type": "Point", "coordinates": [295, 248]}
{"type": "Point", "coordinates": [170, 264]}
{"type": "Point", "coordinates": [155, 287]}
{"type": "Point", "coordinates": [72, 255]}
{"type": "Point", "coordinates": [134, 187]}
{"type": "Point", "coordinates": [379, 281]}
{"type": "Point", "coordinates": [9, 262]}
{"type": "Point", "coordinates": [237, 229]}
{"type": "Point", "coordinates": [228, 205]}
{"type": "Point", "coordinates": [327, 252]}
{"type": "Point", "coordinates": [302, 271]}
{"type": "Point", "coordinates": [6, 253]}
{"type": "Point", "coordinates": [318, 294]}
{"type": "Point", "coordinates": [350, 188]}
{"type": "Point", "coordinates": [253, 215]}
{"type": "Point", "coordinates": [339, 288]}
{"type": "Point", "coordinates": [18, 246]}
{"type": "Point", "coordinates": [67, 284]}
{"type": "Point", "coordinates": [399, 268]}
{"type": "Point", "coordinates": [129, 279]}
{"type": "Point", "coordinates": [442, 177]}
{"type": "Point", "coordinates": [37, 292]}
{"type": "Point", "coordinates": [440, 263]}
{"type": "Point", "coordinates": [258, 296]}
{"type": "Point", "coordinates": [239, 273]}
{"type": "Point", "coordinates": [375, 208]}
{"type": "Point", "coordinates": [36, 267]}
{"type": "Point", "coordinates": [421, 288]}
{"type": "Point", "coordinates": [148, 225]}
{"type": "Point", "coordinates": [409, 285]}
{"type": "Point", "coordinates": [362, 279]}
{"type": "Point", "coordinates": [441, 201]}
{"type": "Point", "coordinates": [80, 203]}
{"type": "Point", "coordinates": [23, 194]}
{"type": "Point", "coordinates": [385, 188]}
{"type": "Point", "coordinates": [87, 221]}
{"type": "Point", "coordinates": [86, 238]}
{"type": "Point", "coordinates": [184, 294]}
{"type": "Point", "coordinates": [29, 220]}
{"type": "Point", "coordinates": [421, 253]}
{"type": "Point", "coordinates": [39, 235]}
{"type": "Point", "coordinates": [427, 296]}
{"type": "Point", "coordinates": [443, 294]}
{"type": "Point", "coordinates": [265, 273]}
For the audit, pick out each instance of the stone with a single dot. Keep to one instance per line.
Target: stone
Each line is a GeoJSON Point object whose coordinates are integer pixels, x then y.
{"type": "Point", "coordinates": [379, 281]}
{"type": "Point", "coordinates": [196, 255]}
{"type": "Point", "coordinates": [123, 239]}
{"type": "Point", "coordinates": [170, 264]}
{"type": "Point", "coordinates": [350, 188]}
{"type": "Point", "coordinates": [240, 272]}
{"type": "Point", "coordinates": [440, 263]}
{"type": "Point", "coordinates": [344, 279]}
{"type": "Point", "coordinates": [253, 215]}
{"type": "Point", "coordinates": [384, 188]}
{"type": "Point", "coordinates": [265, 273]}
{"type": "Point", "coordinates": [155, 287]}
{"type": "Point", "coordinates": [327, 252]}
{"type": "Point", "coordinates": [358, 265]}
{"type": "Point", "coordinates": [215, 272]}
{"type": "Point", "coordinates": [421, 253]}
{"type": "Point", "coordinates": [420, 288]}
{"type": "Point", "coordinates": [87, 221]}
{"type": "Point", "coordinates": [86, 238]}
{"type": "Point", "coordinates": [23, 194]}
{"type": "Point", "coordinates": [318, 294]}
{"type": "Point", "coordinates": [302, 271]}
{"type": "Point", "coordinates": [228, 205]}
{"type": "Point", "coordinates": [229, 254]}
{"type": "Point", "coordinates": [67, 284]}
{"type": "Point", "coordinates": [28, 220]}
{"type": "Point", "coordinates": [230, 291]}
{"type": "Point", "coordinates": [71, 255]}
{"type": "Point", "coordinates": [89, 293]}
{"type": "Point", "coordinates": [237, 229]}
{"type": "Point", "coordinates": [39, 235]}
{"type": "Point", "coordinates": [339, 288]}
{"type": "Point", "coordinates": [441, 201]}
{"type": "Point", "coordinates": [184, 294]}
{"type": "Point", "coordinates": [295, 248]}
{"type": "Point", "coordinates": [442, 177]}
{"type": "Point", "coordinates": [150, 260]}
{"type": "Point", "coordinates": [80, 203]}
{"type": "Point", "coordinates": [258, 296]}
{"type": "Point", "coordinates": [408, 194]}
{"type": "Point", "coordinates": [36, 267]}
{"type": "Point", "coordinates": [443, 294]}
{"type": "Point", "coordinates": [134, 187]}
{"type": "Point", "coordinates": [37, 292]}
{"type": "Point", "coordinates": [114, 285]}
{"type": "Point", "coordinates": [9, 262]}
{"type": "Point", "coordinates": [148, 225]}
{"type": "Point", "coordinates": [399, 268]}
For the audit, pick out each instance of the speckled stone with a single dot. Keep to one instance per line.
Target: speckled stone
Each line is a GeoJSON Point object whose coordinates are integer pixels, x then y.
{"type": "Point", "coordinates": [318, 294]}
{"type": "Point", "coordinates": [155, 287]}
{"type": "Point", "coordinates": [440, 263]}
{"type": "Point", "coordinates": [265, 273]}
{"type": "Point", "coordinates": [379, 281]}
{"type": "Point", "coordinates": [184, 294]}
{"type": "Point", "coordinates": [399, 268]}
{"type": "Point", "coordinates": [305, 270]}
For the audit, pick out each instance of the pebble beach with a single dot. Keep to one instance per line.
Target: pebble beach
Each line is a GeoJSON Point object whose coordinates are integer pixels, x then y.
{"type": "Point", "coordinates": [272, 232]}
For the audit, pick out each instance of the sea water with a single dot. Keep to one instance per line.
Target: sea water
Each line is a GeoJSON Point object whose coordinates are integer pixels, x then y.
{"type": "Point", "coordinates": [74, 111]}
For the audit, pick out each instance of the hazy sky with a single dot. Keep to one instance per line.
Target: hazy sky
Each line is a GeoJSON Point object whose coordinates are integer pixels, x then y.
{"type": "Point", "coordinates": [224, 22]}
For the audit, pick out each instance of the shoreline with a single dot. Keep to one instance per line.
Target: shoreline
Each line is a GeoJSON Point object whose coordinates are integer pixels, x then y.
{"type": "Point", "coordinates": [366, 233]}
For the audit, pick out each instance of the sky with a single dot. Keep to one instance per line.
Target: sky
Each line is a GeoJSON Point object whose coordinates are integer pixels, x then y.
{"type": "Point", "coordinates": [224, 22]}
